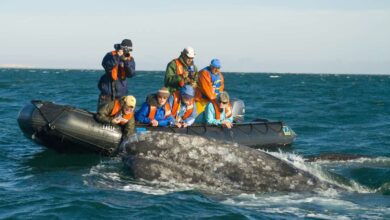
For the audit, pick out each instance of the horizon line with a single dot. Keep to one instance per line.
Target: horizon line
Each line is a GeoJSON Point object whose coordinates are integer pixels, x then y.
{"type": "Point", "coordinates": [14, 66]}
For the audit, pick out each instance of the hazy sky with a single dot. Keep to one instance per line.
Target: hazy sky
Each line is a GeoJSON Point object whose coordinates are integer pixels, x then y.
{"type": "Point", "coordinates": [333, 36]}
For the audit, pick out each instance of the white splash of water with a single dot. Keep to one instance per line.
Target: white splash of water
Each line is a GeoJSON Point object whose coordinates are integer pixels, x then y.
{"type": "Point", "coordinates": [108, 175]}
{"type": "Point", "coordinates": [318, 171]}
{"type": "Point", "coordinates": [307, 205]}
{"type": "Point", "coordinates": [366, 161]}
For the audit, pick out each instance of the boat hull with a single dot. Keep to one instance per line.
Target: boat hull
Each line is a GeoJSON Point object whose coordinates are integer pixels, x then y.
{"type": "Point", "coordinates": [68, 129]}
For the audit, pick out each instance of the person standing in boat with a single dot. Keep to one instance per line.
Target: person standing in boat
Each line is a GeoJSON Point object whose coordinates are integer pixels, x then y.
{"type": "Point", "coordinates": [217, 112]}
{"type": "Point", "coordinates": [210, 84]}
{"type": "Point", "coordinates": [183, 106]}
{"type": "Point", "coordinates": [120, 112]}
{"type": "Point", "coordinates": [118, 65]}
{"type": "Point", "coordinates": [181, 71]}
{"type": "Point", "coordinates": [156, 111]}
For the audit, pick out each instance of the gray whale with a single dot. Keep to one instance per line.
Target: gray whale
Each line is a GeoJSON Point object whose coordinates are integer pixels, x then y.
{"type": "Point", "coordinates": [185, 159]}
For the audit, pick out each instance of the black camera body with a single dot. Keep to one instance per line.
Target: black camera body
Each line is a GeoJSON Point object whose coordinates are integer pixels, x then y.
{"type": "Point", "coordinates": [126, 50]}
{"type": "Point", "coordinates": [117, 46]}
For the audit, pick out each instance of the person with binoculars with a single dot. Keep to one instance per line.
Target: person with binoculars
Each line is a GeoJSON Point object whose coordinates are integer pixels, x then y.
{"type": "Point", "coordinates": [118, 65]}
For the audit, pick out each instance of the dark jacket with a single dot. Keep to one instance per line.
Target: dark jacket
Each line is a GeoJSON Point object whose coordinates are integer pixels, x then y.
{"type": "Point", "coordinates": [142, 115]}
{"type": "Point", "coordinates": [104, 116]}
{"type": "Point", "coordinates": [120, 85]}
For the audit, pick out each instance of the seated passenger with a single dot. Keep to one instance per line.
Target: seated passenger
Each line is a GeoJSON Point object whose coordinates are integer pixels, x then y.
{"type": "Point", "coordinates": [183, 106]}
{"type": "Point", "coordinates": [156, 110]}
{"type": "Point", "coordinates": [217, 112]}
{"type": "Point", "coordinates": [119, 111]}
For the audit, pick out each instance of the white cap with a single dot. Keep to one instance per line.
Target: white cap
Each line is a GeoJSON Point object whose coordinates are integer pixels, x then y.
{"type": "Point", "coordinates": [189, 52]}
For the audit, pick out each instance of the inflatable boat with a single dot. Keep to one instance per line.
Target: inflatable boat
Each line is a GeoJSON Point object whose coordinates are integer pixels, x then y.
{"type": "Point", "coordinates": [68, 129]}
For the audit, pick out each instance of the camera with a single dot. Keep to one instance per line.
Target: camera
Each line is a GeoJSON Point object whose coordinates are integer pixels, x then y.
{"type": "Point", "coordinates": [126, 49]}
{"type": "Point", "coordinates": [117, 46]}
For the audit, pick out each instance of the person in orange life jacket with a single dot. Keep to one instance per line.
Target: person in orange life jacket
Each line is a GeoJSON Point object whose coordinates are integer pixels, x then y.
{"type": "Point", "coordinates": [183, 106]}
{"type": "Point", "coordinates": [156, 110]}
{"type": "Point", "coordinates": [181, 71]}
{"type": "Point", "coordinates": [217, 112]}
{"type": "Point", "coordinates": [118, 65]}
{"type": "Point", "coordinates": [121, 112]}
{"type": "Point", "coordinates": [210, 84]}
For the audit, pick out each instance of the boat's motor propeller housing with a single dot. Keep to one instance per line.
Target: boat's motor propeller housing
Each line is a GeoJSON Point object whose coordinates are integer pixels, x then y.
{"type": "Point", "coordinates": [238, 110]}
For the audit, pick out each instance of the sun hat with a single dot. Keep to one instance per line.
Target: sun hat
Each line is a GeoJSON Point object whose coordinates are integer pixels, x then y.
{"type": "Point", "coordinates": [164, 92]}
{"type": "Point", "coordinates": [216, 63]}
{"type": "Point", "coordinates": [187, 91]}
{"type": "Point", "coordinates": [130, 101]}
{"type": "Point", "coordinates": [189, 52]}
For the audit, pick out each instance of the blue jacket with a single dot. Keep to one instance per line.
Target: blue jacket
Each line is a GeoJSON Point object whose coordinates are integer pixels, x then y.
{"type": "Point", "coordinates": [182, 109]}
{"type": "Point", "coordinates": [142, 115]}
{"type": "Point", "coordinates": [208, 116]}
{"type": "Point", "coordinates": [120, 85]}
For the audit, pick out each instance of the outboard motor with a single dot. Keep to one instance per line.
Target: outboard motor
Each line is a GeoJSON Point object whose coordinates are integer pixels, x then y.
{"type": "Point", "coordinates": [238, 110]}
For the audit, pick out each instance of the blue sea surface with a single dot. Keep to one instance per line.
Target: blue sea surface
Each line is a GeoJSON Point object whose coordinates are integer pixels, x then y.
{"type": "Point", "coordinates": [331, 114]}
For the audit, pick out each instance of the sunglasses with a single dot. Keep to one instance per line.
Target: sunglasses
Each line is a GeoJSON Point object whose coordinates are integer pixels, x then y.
{"type": "Point", "coordinates": [225, 103]}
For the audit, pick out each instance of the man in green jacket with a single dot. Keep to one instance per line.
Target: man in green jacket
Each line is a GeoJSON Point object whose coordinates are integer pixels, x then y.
{"type": "Point", "coordinates": [120, 112]}
{"type": "Point", "coordinates": [181, 71]}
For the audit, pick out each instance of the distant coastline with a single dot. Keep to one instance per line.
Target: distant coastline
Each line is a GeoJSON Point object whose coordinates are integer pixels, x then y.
{"type": "Point", "coordinates": [17, 66]}
{"type": "Point", "coordinates": [20, 66]}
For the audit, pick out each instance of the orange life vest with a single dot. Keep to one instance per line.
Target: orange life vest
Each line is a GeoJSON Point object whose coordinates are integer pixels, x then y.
{"type": "Point", "coordinates": [208, 89]}
{"type": "Point", "coordinates": [176, 104]}
{"type": "Point", "coordinates": [153, 110]}
{"type": "Point", "coordinates": [179, 67]}
{"type": "Point", "coordinates": [114, 71]}
{"type": "Point", "coordinates": [117, 109]}
{"type": "Point", "coordinates": [228, 110]}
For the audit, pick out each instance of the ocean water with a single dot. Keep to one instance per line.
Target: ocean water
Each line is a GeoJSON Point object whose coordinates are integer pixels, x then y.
{"type": "Point", "coordinates": [332, 114]}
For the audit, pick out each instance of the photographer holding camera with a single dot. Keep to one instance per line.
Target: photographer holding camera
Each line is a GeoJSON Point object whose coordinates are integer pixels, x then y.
{"type": "Point", "coordinates": [118, 65]}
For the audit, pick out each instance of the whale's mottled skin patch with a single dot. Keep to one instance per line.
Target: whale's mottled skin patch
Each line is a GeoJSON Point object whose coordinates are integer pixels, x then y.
{"type": "Point", "coordinates": [179, 158]}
